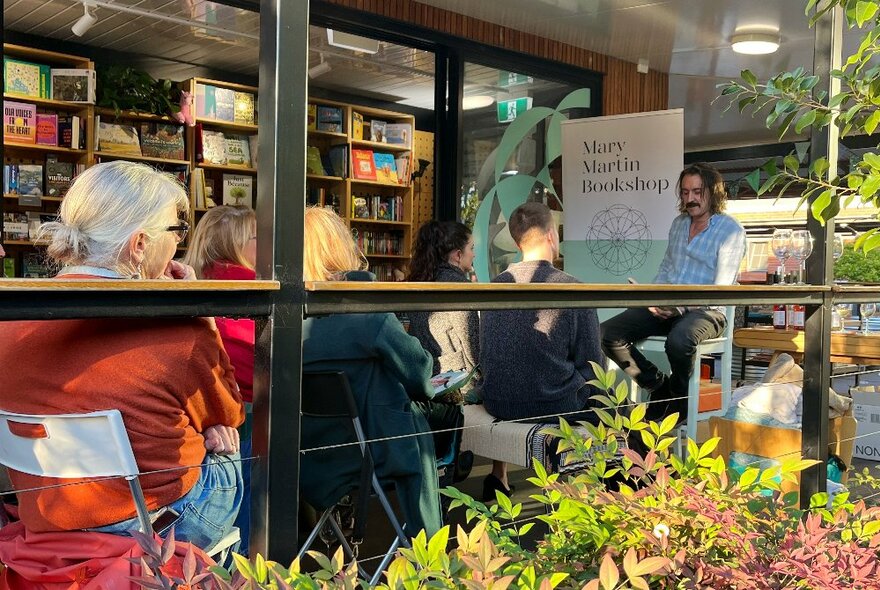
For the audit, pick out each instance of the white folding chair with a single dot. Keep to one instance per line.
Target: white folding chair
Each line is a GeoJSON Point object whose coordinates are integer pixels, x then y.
{"type": "Point", "coordinates": [69, 446]}
{"type": "Point", "coordinates": [723, 345]}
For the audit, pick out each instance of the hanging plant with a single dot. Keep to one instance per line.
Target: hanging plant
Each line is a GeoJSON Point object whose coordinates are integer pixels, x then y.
{"type": "Point", "coordinates": [123, 88]}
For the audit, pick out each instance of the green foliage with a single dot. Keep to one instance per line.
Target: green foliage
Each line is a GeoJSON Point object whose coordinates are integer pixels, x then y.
{"type": "Point", "coordinates": [126, 89]}
{"type": "Point", "coordinates": [859, 267]}
{"type": "Point", "coordinates": [629, 521]}
{"type": "Point", "coordinates": [790, 101]}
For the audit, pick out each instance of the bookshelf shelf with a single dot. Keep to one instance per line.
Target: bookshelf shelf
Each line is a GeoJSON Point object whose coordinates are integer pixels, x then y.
{"type": "Point", "coordinates": [24, 243]}
{"type": "Point", "coordinates": [134, 115]}
{"type": "Point", "coordinates": [377, 183]}
{"type": "Point", "coordinates": [16, 196]}
{"type": "Point", "coordinates": [379, 146]}
{"type": "Point", "coordinates": [229, 125]}
{"type": "Point", "coordinates": [227, 168]}
{"type": "Point", "coordinates": [321, 177]}
{"type": "Point", "coordinates": [41, 148]}
{"type": "Point", "coordinates": [372, 221]}
{"type": "Point", "coordinates": [58, 105]}
{"type": "Point", "coordinates": [333, 134]}
{"type": "Point", "coordinates": [135, 158]}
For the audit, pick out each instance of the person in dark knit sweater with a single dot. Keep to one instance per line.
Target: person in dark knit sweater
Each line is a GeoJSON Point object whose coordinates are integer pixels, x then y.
{"type": "Point", "coordinates": [536, 363]}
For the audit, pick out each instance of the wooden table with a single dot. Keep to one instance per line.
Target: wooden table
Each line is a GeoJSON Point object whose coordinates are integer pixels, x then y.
{"type": "Point", "coordinates": [846, 347]}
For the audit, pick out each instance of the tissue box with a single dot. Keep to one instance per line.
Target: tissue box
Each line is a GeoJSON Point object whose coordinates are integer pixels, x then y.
{"type": "Point", "coordinates": [866, 409]}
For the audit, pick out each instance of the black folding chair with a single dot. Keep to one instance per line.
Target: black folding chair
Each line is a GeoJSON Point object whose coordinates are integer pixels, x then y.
{"type": "Point", "coordinates": [328, 395]}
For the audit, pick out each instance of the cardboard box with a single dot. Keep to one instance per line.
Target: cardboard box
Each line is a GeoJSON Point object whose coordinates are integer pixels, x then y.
{"type": "Point", "coordinates": [866, 410]}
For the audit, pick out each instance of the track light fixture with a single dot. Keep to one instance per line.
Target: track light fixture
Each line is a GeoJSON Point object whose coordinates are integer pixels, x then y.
{"type": "Point", "coordinates": [86, 21]}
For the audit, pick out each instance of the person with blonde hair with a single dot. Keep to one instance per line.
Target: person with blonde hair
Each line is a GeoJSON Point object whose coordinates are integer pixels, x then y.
{"type": "Point", "coordinates": [389, 372]}
{"type": "Point", "coordinates": [170, 378]}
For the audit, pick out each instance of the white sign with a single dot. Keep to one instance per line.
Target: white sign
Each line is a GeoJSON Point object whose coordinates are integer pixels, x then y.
{"type": "Point", "coordinates": [618, 184]}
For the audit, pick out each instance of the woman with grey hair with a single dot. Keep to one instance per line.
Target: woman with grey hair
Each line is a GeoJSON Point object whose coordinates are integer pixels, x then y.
{"type": "Point", "coordinates": [170, 378]}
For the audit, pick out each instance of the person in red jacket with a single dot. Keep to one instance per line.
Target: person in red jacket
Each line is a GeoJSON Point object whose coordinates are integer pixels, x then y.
{"type": "Point", "coordinates": [169, 377]}
{"type": "Point", "coordinates": [224, 247]}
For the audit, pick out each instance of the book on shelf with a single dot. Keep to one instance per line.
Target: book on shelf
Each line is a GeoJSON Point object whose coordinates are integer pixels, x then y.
{"type": "Point", "coordinates": [225, 102]}
{"type": "Point", "coordinates": [10, 179]}
{"type": "Point", "coordinates": [213, 147]}
{"type": "Point", "coordinates": [254, 143]}
{"type": "Point", "coordinates": [377, 130]}
{"type": "Point", "coordinates": [19, 122]}
{"type": "Point", "coordinates": [238, 151]}
{"type": "Point", "coordinates": [338, 156]}
{"type": "Point", "coordinates": [59, 175]}
{"type": "Point", "coordinates": [35, 220]}
{"type": "Point", "coordinates": [24, 78]}
{"type": "Point", "coordinates": [403, 174]}
{"type": "Point", "coordinates": [162, 140]}
{"type": "Point", "coordinates": [330, 119]}
{"type": "Point", "coordinates": [35, 266]}
{"type": "Point", "coordinates": [386, 169]}
{"type": "Point", "coordinates": [206, 103]}
{"type": "Point", "coordinates": [73, 85]}
{"type": "Point", "coordinates": [198, 188]}
{"type": "Point", "coordinates": [244, 108]}
{"type": "Point", "coordinates": [398, 133]}
{"type": "Point", "coordinates": [359, 208]}
{"type": "Point", "coordinates": [238, 190]}
{"type": "Point", "coordinates": [315, 196]}
{"type": "Point", "coordinates": [382, 242]}
{"type": "Point", "coordinates": [116, 138]}
{"type": "Point", "coordinates": [362, 165]}
{"type": "Point", "coordinates": [357, 126]}
{"type": "Point", "coordinates": [9, 268]}
{"type": "Point", "coordinates": [15, 225]}
{"type": "Point", "coordinates": [314, 162]}
{"type": "Point", "coordinates": [312, 117]}
{"type": "Point", "coordinates": [30, 179]}
{"type": "Point", "coordinates": [70, 132]}
{"type": "Point", "coordinates": [47, 129]}
{"type": "Point", "coordinates": [377, 207]}
{"type": "Point", "coordinates": [209, 193]}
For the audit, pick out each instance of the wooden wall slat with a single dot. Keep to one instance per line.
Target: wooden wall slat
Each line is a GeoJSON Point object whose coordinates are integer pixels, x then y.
{"type": "Point", "coordinates": [624, 89]}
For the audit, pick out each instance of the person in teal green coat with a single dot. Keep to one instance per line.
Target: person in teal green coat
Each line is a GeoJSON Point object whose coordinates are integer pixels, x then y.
{"type": "Point", "coordinates": [389, 373]}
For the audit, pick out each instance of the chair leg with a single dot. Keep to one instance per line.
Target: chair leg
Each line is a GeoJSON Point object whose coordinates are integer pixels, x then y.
{"type": "Point", "coordinates": [140, 504]}
{"type": "Point", "coordinates": [383, 499]}
{"type": "Point", "coordinates": [693, 401]}
{"type": "Point", "coordinates": [383, 565]}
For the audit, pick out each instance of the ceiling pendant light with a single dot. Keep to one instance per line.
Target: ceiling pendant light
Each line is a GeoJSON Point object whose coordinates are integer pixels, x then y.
{"type": "Point", "coordinates": [755, 43]}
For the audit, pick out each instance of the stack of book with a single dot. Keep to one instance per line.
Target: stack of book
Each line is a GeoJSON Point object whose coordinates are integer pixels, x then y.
{"type": "Point", "coordinates": [224, 104]}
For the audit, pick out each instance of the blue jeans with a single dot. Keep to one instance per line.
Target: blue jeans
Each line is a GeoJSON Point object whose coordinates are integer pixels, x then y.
{"type": "Point", "coordinates": [207, 511]}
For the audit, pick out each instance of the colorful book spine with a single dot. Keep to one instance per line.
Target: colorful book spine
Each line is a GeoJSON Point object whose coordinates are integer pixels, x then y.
{"type": "Point", "coordinates": [47, 129]}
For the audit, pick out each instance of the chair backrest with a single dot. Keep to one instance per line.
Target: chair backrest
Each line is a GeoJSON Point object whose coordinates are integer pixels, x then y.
{"type": "Point", "coordinates": [327, 394]}
{"type": "Point", "coordinates": [67, 445]}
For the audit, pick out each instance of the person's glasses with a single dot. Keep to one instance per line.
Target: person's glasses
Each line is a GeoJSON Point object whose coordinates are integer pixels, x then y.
{"type": "Point", "coordinates": [180, 230]}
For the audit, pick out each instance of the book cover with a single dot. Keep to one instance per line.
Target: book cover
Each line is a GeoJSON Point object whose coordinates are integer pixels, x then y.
{"type": "Point", "coordinates": [254, 143]}
{"type": "Point", "coordinates": [238, 190]}
{"type": "Point", "coordinates": [357, 126]}
{"type": "Point", "coordinates": [116, 138]}
{"type": "Point", "coordinates": [66, 131]}
{"type": "Point", "coordinates": [59, 175]}
{"type": "Point", "coordinates": [30, 179]}
{"type": "Point", "coordinates": [206, 105]}
{"type": "Point", "coordinates": [362, 165]}
{"type": "Point", "coordinates": [8, 268]}
{"type": "Point", "coordinates": [238, 151]}
{"type": "Point", "coordinates": [398, 133]}
{"type": "Point", "coordinates": [312, 113]}
{"type": "Point", "coordinates": [162, 140]}
{"type": "Point", "coordinates": [21, 78]}
{"type": "Point", "coordinates": [386, 170]}
{"type": "Point", "coordinates": [35, 266]}
{"type": "Point", "coordinates": [35, 220]}
{"type": "Point", "coordinates": [47, 129]}
{"type": "Point", "coordinates": [330, 119]}
{"type": "Point", "coordinates": [15, 226]}
{"type": "Point", "coordinates": [338, 156]}
{"type": "Point", "coordinates": [214, 147]}
{"type": "Point", "coordinates": [377, 130]}
{"type": "Point", "coordinates": [403, 175]}
{"type": "Point", "coordinates": [359, 208]}
{"type": "Point", "coordinates": [225, 104]}
{"type": "Point", "coordinates": [314, 165]}
{"type": "Point", "coordinates": [19, 122]}
{"type": "Point", "coordinates": [73, 85]}
{"type": "Point", "coordinates": [244, 108]}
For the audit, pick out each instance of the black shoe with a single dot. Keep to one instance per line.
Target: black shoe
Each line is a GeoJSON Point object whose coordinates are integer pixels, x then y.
{"type": "Point", "coordinates": [463, 466]}
{"type": "Point", "coordinates": [492, 483]}
{"type": "Point", "coordinates": [658, 403]}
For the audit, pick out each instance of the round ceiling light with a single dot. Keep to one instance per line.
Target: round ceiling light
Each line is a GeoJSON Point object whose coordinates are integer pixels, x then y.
{"type": "Point", "coordinates": [476, 101]}
{"type": "Point", "coordinates": [755, 43]}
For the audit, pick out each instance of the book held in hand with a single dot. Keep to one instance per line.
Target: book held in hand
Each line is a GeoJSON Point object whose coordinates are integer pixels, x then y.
{"type": "Point", "coordinates": [162, 140]}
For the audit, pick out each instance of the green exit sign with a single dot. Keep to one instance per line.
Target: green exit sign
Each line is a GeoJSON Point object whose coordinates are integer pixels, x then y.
{"type": "Point", "coordinates": [508, 79]}
{"type": "Point", "coordinates": [508, 110]}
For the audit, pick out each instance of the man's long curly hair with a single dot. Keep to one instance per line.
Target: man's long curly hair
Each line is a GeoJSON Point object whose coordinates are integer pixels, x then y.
{"type": "Point", "coordinates": [713, 182]}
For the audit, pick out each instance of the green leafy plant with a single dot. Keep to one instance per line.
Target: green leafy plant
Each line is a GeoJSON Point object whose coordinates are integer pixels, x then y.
{"type": "Point", "coordinates": [789, 101]}
{"type": "Point", "coordinates": [858, 267]}
{"type": "Point", "coordinates": [631, 520]}
{"type": "Point", "coordinates": [123, 88]}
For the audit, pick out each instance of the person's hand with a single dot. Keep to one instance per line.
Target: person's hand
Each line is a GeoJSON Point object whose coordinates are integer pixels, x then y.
{"type": "Point", "coordinates": [663, 314]}
{"type": "Point", "coordinates": [221, 440]}
{"type": "Point", "coordinates": [179, 271]}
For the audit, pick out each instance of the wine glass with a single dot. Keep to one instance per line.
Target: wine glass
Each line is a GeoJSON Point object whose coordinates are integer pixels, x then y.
{"type": "Point", "coordinates": [780, 243]}
{"type": "Point", "coordinates": [867, 310]}
{"type": "Point", "coordinates": [801, 248]}
{"type": "Point", "coordinates": [837, 246]}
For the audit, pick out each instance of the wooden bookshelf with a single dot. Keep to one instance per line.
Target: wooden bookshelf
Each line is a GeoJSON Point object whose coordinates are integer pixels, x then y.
{"type": "Point", "coordinates": [27, 153]}
{"type": "Point", "coordinates": [347, 189]}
